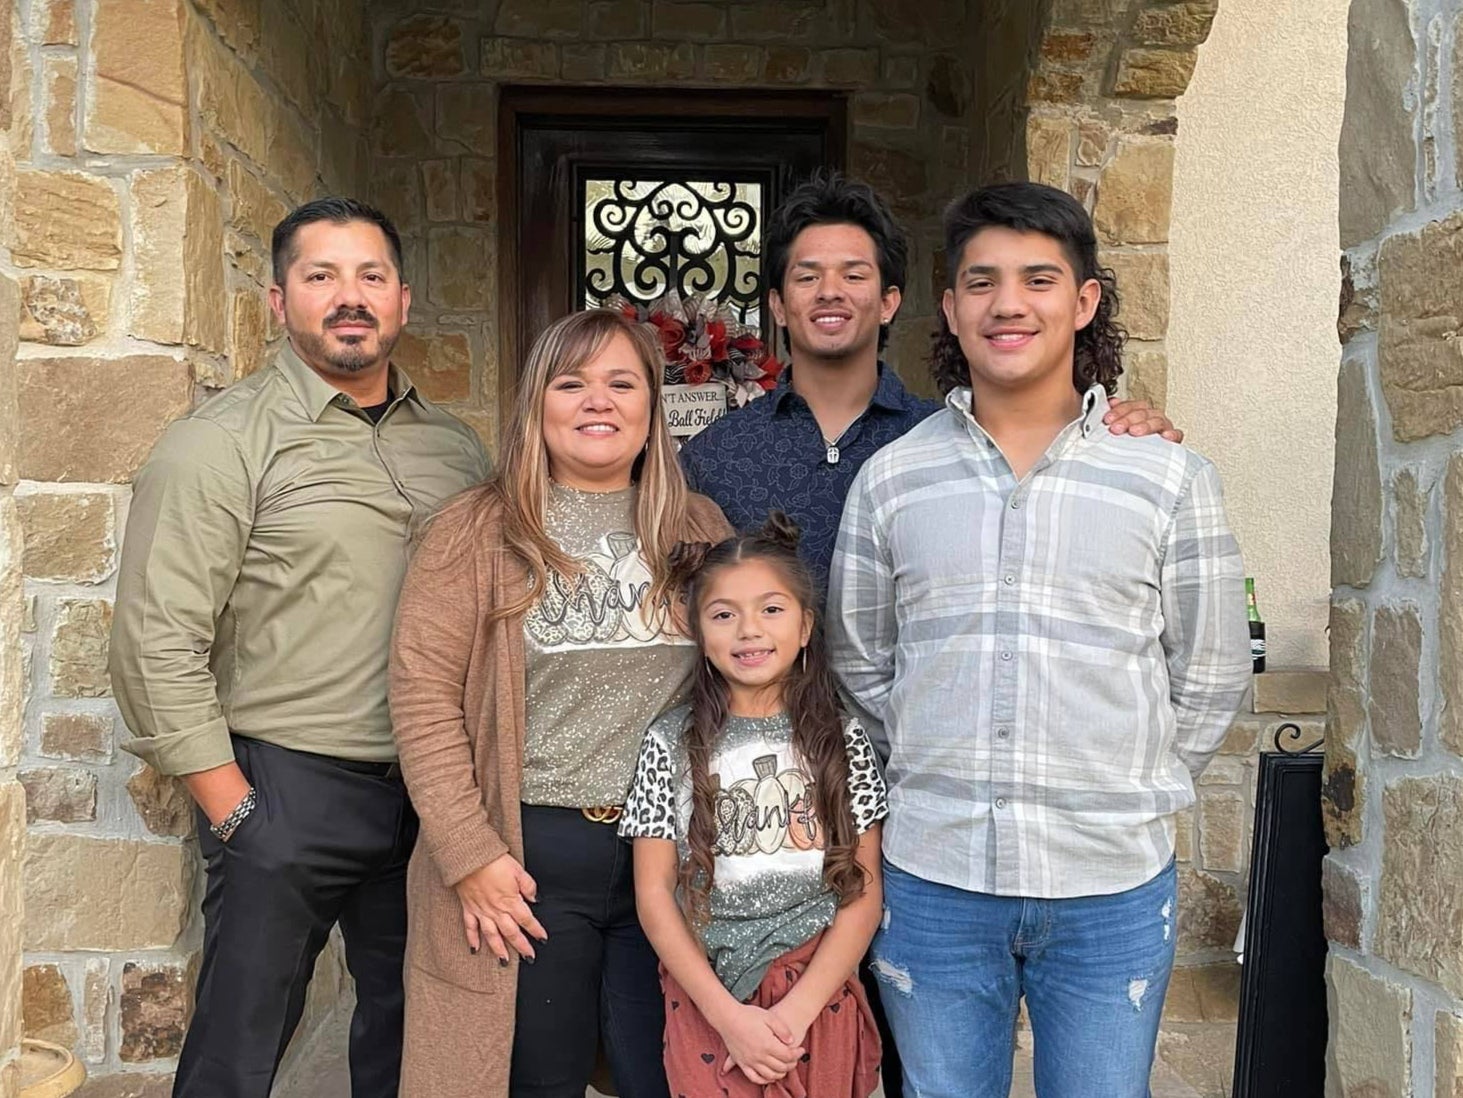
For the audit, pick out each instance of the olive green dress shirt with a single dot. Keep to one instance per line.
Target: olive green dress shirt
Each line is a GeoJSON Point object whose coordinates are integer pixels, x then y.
{"type": "Point", "coordinates": [265, 549]}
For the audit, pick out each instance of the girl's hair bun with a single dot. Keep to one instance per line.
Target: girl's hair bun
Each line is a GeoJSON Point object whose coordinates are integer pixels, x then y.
{"type": "Point", "coordinates": [686, 560]}
{"type": "Point", "coordinates": [781, 531]}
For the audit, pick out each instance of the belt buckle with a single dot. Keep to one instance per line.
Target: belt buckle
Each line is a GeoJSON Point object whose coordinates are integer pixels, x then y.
{"type": "Point", "coordinates": [603, 813]}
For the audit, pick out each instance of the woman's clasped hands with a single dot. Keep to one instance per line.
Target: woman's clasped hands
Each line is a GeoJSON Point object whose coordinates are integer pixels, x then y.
{"type": "Point", "coordinates": [495, 911]}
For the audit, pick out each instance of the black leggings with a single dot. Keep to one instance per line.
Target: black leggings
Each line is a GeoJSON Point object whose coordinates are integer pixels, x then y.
{"type": "Point", "coordinates": [596, 977]}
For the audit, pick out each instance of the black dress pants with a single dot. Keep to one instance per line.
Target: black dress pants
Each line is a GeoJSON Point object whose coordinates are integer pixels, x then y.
{"type": "Point", "coordinates": [327, 842]}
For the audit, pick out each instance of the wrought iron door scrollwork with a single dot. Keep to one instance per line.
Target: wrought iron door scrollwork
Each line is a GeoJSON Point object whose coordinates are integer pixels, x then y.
{"type": "Point", "coordinates": [646, 237]}
{"type": "Point", "coordinates": [1291, 739]}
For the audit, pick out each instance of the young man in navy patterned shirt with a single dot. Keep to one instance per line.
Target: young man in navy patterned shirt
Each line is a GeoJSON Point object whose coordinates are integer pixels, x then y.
{"type": "Point", "coordinates": [836, 267]}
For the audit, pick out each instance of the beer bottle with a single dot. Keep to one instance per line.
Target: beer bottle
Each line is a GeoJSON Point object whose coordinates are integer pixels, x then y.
{"type": "Point", "coordinates": [1257, 627]}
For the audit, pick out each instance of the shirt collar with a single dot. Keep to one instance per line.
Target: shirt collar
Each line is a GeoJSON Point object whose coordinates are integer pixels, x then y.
{"type": "Point", "coordinates": [316, 394]}
{"type": "Point", "coordinates": [1094, 406]}
{"type": "Point", "coordinates": [889, 394]}
{"type": "Point", "coordinates": [1089, 421]}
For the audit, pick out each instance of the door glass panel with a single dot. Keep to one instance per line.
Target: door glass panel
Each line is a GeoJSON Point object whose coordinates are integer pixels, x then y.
{"type": "Point", "coordinates": [641, 238]}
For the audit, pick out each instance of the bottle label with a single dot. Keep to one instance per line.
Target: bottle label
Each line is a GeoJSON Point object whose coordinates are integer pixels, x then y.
{"type": "Point", "coordinates": [1257, 648]}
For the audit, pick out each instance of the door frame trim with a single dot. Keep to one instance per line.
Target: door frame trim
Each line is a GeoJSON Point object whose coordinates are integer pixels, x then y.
{"type": "Point", "coordinates": [518, 103]}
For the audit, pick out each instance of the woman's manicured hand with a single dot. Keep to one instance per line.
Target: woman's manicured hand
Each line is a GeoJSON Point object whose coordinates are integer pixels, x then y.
{"type": "Point", "coordinates": [759, 1043]}
{"type": "Point", "coordinates": [495, 909]}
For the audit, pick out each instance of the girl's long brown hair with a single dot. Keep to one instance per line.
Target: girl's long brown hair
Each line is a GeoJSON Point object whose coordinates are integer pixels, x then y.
{"type": "Point", "coordinates": [519, 488]}
{"type": "Point", "coordinates": [809, 695]}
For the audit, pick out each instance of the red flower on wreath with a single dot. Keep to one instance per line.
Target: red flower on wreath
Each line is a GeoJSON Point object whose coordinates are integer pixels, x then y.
{"type": "Point", "coordinates": [697, 372]}
{"type": "Point", "coordinates": [750, 346]}
{"type": "Point", "coordinates": [716, 336]}
{"type": "Point", "coordinates": [672, 335]}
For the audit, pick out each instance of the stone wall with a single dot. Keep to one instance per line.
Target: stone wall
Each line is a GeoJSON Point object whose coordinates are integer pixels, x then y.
{"type": "Point", "coordinates": [902, 63]}
{"type": "Point", "coordinates": [12, 614]}
{"type": "Point", "coordinates": [1101, 124]}
{"type": "Point", "coordinates": [1394, 796]}
{"type": "Point", "coordinates": [155, 144]}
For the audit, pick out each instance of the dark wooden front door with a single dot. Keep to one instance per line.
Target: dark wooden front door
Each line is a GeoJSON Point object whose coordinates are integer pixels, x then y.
{"type": "Point", "coordinates": [637, 192]}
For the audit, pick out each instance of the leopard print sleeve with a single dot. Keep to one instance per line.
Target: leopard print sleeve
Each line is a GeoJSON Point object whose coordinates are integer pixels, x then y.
{"type": "Point", "coordinates": [650, 806]}
{"type": "Point", "coordinates": [867, 794]}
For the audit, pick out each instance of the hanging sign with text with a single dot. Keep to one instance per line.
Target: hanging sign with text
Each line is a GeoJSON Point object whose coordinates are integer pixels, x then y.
{"type": "Point", "coordinates": [690, 408]}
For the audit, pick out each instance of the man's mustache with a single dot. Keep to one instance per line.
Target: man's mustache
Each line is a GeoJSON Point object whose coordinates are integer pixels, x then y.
{"type": "Point", "coordinates": [350, 316]}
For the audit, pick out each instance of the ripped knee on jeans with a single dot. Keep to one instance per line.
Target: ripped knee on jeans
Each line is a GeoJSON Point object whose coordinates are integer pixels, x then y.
{"type": "Point", "coordinates": [1137, 988]}
{"type": "Point", "coordinates": [891, 975]}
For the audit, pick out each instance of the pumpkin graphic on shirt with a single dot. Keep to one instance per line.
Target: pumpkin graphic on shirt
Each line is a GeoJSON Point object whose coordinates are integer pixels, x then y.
{"type": "Point", "coordinates": [803, 832]}
{"type": "Point", "coordinates": [729, 809]}
{"type": "Point", "coordinates": [632, 579]}
{"type": "Point", "coordinates": [765, 813]}
{"type": "Point", "coordinates": [576, 609]}
{"type": "Point", "coordinates": [769, 805]}
{"type": "Point", "coordinates": [600, 606]}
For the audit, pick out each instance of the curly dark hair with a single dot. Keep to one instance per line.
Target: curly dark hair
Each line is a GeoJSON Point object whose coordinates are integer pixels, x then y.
{"type": "Point", "coordinates": [810, 696]}
{"type": "Point", "coordinates": [828, 197]}
{"type": "Point", "coordinates": [1035, 208]}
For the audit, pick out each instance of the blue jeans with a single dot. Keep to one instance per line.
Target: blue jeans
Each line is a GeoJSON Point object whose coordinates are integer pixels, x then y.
{"type": "Point", "coordinates": [953, 966]}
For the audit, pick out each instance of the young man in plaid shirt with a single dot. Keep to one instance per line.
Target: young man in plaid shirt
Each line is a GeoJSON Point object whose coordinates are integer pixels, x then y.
{"type": "Point", "coordinates": [1050, 621]}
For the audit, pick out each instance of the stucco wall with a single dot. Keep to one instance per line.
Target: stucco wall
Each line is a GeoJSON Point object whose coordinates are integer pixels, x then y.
{"type": "Point", "coordinates": [1252, 330]}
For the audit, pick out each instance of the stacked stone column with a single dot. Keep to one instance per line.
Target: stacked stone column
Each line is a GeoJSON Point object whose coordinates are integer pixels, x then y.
{"type": "Point", "coordinates": [12, 684]}
{"type": "Point", "coordinates": [1394, 795]}
{"type": "Point", "coordinates": [152, 147]}
{"type": "Point", "coordinates": [1099, 122]}
{"type": "Point", "coordinates": [12, 612]}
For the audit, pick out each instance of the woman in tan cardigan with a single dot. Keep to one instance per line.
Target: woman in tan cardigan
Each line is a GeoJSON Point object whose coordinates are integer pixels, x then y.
{"type": "Point", "coordinates": [533, 646]}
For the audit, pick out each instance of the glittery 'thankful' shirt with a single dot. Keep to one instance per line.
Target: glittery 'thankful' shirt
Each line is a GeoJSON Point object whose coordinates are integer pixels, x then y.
{"type": "Point", "coordinates": [767, 893]}
{"type": "Point", "coordinates": [601, 664]}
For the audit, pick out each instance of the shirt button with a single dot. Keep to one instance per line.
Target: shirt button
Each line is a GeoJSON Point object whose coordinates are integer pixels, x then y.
{"type": "Point", "coordinates": [1000, 802]}
{"type": "Point", "coordinates": [1016, 504]}
{"type": "Point", "coordinates": [1005, 655]}
{"type": "Point", "coordinates": [1010, 580]}
{"type": "Point", "coordinates": [1003, 732]}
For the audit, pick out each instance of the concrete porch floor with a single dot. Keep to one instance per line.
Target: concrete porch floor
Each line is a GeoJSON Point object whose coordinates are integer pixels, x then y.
{"type": "Point", "coordinates": [1199, 1046]}
{"type": "Point", "coordinates": [325, 1075]}
{"type": "Point", "coordinates": [1165, 1084]}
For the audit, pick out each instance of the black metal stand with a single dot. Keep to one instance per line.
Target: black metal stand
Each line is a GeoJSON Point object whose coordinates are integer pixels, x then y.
{"type": "Point", "coordinates": [1281, 1046]}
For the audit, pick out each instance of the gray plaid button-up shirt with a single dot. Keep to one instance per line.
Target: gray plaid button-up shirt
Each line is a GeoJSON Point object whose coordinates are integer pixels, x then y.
{"type": "Point", "coordinates": [1055, 659]}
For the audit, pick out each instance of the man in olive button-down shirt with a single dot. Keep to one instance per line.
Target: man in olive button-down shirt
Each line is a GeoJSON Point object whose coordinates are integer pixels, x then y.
{"type": "Point", "coordinates": [265, 548]}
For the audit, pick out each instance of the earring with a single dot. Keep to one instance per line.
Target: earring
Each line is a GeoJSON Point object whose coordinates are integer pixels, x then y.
{"type": "Point", "coordinates": [805, 659]}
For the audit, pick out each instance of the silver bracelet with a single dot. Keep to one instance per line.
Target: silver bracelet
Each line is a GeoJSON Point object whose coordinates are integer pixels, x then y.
{"type": "Point", "coordinates": [229, 824]}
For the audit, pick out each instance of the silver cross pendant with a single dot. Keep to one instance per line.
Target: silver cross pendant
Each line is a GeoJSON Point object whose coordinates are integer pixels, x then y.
{"type": "Point", "coordinates": [833, 455]}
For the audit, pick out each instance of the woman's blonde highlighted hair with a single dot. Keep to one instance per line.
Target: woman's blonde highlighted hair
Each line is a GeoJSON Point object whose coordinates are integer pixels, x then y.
{"type": "Point", "coordinates": [520, 487]}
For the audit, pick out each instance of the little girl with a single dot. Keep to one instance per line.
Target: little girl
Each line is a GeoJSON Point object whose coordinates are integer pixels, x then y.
{"type": "Point", "coordinates": [755, 812]}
